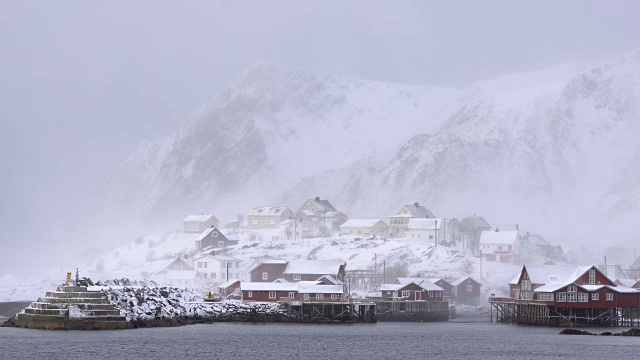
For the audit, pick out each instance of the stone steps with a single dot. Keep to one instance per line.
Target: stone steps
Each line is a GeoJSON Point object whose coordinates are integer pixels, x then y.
{"type": "Point", "coordinates": [62, 312]}
{"type": "Point", "coordinates": [42, 317]}
{"type": "Point", "coordinates": [72, 300]}
{"type": "Point", "coordinates": [67, 295]}
{"type": "Point", "coordinates": [43, 305]}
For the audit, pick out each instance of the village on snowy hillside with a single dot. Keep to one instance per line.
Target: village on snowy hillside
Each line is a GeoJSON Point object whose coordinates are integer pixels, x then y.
{"type": "Point", "coordinates": [273, 253]}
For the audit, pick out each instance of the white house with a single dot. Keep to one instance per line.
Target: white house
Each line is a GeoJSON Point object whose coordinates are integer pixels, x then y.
{"type": "Point", "coordinates": [199, 223]}
{"type": "Point", "coordinates": [500, 245]}
{"type": "Point", "coordinates": [218, 268]}
{"type": "Point", "coordinates": [424, 230]}
{"type": "Point", "coordinates": [365, 227]}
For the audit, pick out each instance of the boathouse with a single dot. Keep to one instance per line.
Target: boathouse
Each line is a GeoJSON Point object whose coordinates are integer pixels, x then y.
{"type": "Point", "coordinates": [466, 290]}
{"type": "Point", "coordinates": [585, 296]}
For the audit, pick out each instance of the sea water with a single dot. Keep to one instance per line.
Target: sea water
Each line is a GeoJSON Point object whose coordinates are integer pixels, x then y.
{"type": "Point", "coordinates": [445, 340]}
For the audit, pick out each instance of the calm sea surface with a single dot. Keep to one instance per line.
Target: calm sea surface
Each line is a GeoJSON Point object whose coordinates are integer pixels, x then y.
{"type": "Point", "coordinates": [453, 340]}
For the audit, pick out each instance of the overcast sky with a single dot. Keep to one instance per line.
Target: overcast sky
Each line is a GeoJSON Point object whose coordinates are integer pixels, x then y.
{"type": "Point", "coordinates": [82, 83]}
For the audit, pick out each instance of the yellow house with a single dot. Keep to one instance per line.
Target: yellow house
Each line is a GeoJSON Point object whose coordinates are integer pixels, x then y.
{"type": "Point", "coordinates": [400, 221]}
{"type": "Point", "coordinates": [365, 227]}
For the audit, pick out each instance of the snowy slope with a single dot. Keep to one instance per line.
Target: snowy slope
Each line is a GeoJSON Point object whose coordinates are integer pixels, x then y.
{"type": "Point", "coordinates": [269, 128]}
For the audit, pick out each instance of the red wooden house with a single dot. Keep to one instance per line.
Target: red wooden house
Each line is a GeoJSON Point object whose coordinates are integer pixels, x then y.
{"type": "Point", "coordinates": [445, 285]}
{"type": "Point", "coordinates": [268, 292]}
{"type": "Point", "coordinates": [296, 270]}
{"type": "Point", "coordinates": [466, 290]}
{"type": "Point", "coordinates": [266, 270]}
{"type": "Point", "coordinates": [229, 287]}
{"type": "Point", "coordinates": [411, 291]}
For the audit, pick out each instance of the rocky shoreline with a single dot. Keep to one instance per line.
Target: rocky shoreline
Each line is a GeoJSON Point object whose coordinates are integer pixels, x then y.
{"type": "Point", "coordinates": [631, 332]}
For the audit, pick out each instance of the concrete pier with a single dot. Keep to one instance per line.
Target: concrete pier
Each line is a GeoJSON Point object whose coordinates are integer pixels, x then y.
{"type": "Point", "coordinates": [73, 308]}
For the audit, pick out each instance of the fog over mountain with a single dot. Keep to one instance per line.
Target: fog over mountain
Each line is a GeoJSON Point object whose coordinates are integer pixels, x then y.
{"type": "Point", "coordinates": [547, 149]}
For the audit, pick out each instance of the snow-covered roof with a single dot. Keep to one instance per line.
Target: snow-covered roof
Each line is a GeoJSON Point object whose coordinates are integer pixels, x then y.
{"type": "Point", "coordinates": [331, 279]}
{"type": "Point", "coordinates": [391, 287]}
{"type": "Point", "coordinates": [228, 283]}
{"type": "Point", "coordinates": [362, 223]}
{"type": "Point", "coordinates": [544, 274]}
{"type": "Point", "coordinates": [322, 205]}
{"type": "Point", "coordinates": [424, 283]}
{"type": "Point", "coordinates": [501, 237]}
{"type": "Point", "coordinates": [435, 280]}
{"type": "Point", "coordinates": [199, 218]}
{"type": "Point", "coordinates": [178, 275]}
{"type": "Point", "coordinates": [320, 289]}
{"type": "Point", "coordinates": [308, 212]}
{"type": "Point", "coordinates": [424, 224]}
{"type": "Point", "coordinates": [268, 210]}
{"type": "Point", "coordinates": [218, 257]}
{"type": "Point", "coordinates": [551, 287]}
{"type": "Point", "coordinates": [627, 282]}
{"type": "Point", "coordinates": [268, 286]}
{"type": "Point", "coordinates": [623, 289]}
{"type": "Point", "coordinates": [206, 233]}
{"type": "Point", "coordinates": [461, 280]}
{"type": "Point", "coordinates": [418, 211]}
{"type": "Point", "coordinates": [316, 267]}
{"type": "Point", "coordinates": [265, 261]}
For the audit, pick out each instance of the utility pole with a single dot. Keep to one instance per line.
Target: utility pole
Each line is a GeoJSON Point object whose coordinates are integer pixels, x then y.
{"type": "Point", "coordinates": [480, 265]}
{"type": "Point", "coordinates": [384, 271]}
{"type": "Point", "coordinates": [375, 263]}
{"type": "Point", "coordinates": [444, 229]}
{"type": "Point", "coordinates": [435, 230]}
{"type": "Point", "coordinates": [605, 266]}
{"type": "Point", "coordinates": [324, 222]}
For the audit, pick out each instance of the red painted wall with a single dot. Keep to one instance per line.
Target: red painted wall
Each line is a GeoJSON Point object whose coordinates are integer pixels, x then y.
{"type": "Point", "coordinates": [275, 271]}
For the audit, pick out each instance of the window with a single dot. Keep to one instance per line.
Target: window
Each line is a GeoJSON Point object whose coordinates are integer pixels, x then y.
{"type": "Point", "coordinates": [265, 276]}
{"type": "Point", "coordinates": [545, 296]}
{"type": "Point", "coordinates": [272, 294]}
{"type": "Point", "coordinates": [572, 288]}
{"type": "Point", "coordinates": [214, 234]}
{"type": "Point", "coordinates": [609, 296]}
{"type": "Point", "coordinates": [199, 264]}
{"type": "Point", "coordinates": [272, 222]}
{"type": "Point", "coordinates": [592, 277]}
{"type": "Point", "coordinates": [213, 275]}
{"type": "Point", "coordinates": [405, 293]}
{"type": "Point", "coordinates": [572, 297]}
{"type": "Point", "coordinates": [526, 285]}
{"type": "Point", "coordinates": [249, 294]}
{"type": "Point", "coordinates": [430, 237]}
{"type": "Point", "coordinates": [334, 296]}
{"type": "Point", "coordinates": [583, 297]}
{"type": "Point", "coordinates": [469, 288]}
{"type": "Point", "coordinates": [205, 264]}
{"type": "Point", "coordinates": [204, 275]}
{"type": "Point", "coordinates": [255, 222]}
{"type": "Point", "coordinates": [319, 296]}
{"type": "Point", "coordinates": [306, 296]}
{"type": "Point", "coordinates": [297, 277]}
{"type": "Point", "coordinates": [220, 244]}
{"type": "Point", "coordinates": [561, 297]}
{"type": "Point", "coordinates": [237, 264]}
{"type": "Point", "coordinates": [388, 292]}
{"type": "Point", "coordinates": [500, 247]}
{"type": "Point", "coordinates": [292, 295]}
{"type": "Point", "coordinates": [595, 297]}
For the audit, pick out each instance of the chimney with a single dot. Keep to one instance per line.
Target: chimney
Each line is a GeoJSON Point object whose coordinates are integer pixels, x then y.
{"type": "Point", "coordinates": [416, 204]}
{"type": "Point", "coordinates": [497, 230]}
{"type": "Point", "coordinates": [317, 198]}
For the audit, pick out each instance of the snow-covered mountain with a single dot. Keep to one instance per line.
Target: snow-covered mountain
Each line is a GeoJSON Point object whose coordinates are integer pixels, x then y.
{"type": "Point", "coordinates": [547, 145]}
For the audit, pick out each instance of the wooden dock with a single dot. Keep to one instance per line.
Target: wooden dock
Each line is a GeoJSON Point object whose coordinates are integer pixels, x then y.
{"type": "Point", "coordinates": [332, 311]}
{"type": "Point", "coordinates": [402, 310]}
{"type": "Point", "coordinates": [537, 312]}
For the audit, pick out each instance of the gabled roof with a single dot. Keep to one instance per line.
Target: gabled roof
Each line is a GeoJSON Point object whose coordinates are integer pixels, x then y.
{"type": "Point", "coordinates": [330, 279]}
{"type": "Point", "coordinates": [627, 282]}
{"type": "Point", "coordinates": [418, 211]}
{"type": "Point", "coordinates": [424, 224]}
{"type": "Point", "coordinates": [268, 210]}
{"type": "Point", "coordinates": [322, 205]}
{"type": "Point", "coordinates": [265, 261]}
{"type": "Point", "coordinates": [435, 280]}
{"type": "Point", "coordinates": [424, 283]}
{"type": "Point", "coordinates": [268, 286]}
{"type": "Point", "coordinates": [462, 279]}
{"type": "Point", "coordinates": [499, 237]}
{"type": "Point", "coordinates": [226, 284]}
{"type": "Point", "coordinates": [217, 257]}
{"type": "Point", "coordinates": [315, 267]}
{"type": "Point", "coordinates": [304, 288]}
{"type": "Point", "coordinates": [362, 223]}
{"type": "Point", "coordinates": [199, 218]}
{"type": "Point", "coordinates": [206, 233]}
{"type": "Point", "coordinates": [544, 274]}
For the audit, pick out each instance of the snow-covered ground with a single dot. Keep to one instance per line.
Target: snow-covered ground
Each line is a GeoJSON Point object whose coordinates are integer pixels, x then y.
{"type": "Point", "coordinates": [142, 257]}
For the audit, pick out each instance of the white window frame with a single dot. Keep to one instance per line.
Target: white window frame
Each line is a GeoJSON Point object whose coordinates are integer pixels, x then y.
{"type": "Point", "coordinates": [249, 294]}
{"type": "Point", "coordinates": [572, 297]}
{"type": "Point", "coordinates": [609, 296]}
{"type": "Point", "coordinates": [595, 296]}
{"type": "Point", "coordinates": [297, 277]}
{"type": "Point", "coordinates": [572, 288]}
{"type": "Point", "coordinates": [265, 275]}
{"type": "Point", "coordinates": [561, 297]}
{"type": "Point", "coordinates": [592, 277]}
{"type": "Point", "coordinates": [583, 297]}
{"type": "Point", "coordinates": [272, 294]}
{"type": "Point", "coordinates": [334, 296]}
{"type": "Point", "coordinates": [306, 296]}
{"type": "Point", "coordinates": [470, 288]}
{"type": "Point", "coordinates": [292, 295]}
{"type": "Point", "coordinates": [406, 293]}
{"type": "Point", "coordinates": [319, 296]}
